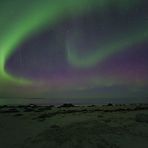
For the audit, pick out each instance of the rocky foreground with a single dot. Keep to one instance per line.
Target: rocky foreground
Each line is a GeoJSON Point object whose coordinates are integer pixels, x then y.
{"type": "Point", "coordinates": [69, 126]}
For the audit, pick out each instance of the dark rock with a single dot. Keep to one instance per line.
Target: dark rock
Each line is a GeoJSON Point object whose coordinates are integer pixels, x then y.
{"type": "Point", "coordinates": [28, 110]}
{"type": "Point", "coordinates": [67, 105]}
{"type": "Point", "coordinates": [21, 106]}
{"type": "Point", "coordinates": [91, 105]}
{"type": "Point", "coordinates": [109, 104]}
{"type": "Point", "coordinates": [4, 106]}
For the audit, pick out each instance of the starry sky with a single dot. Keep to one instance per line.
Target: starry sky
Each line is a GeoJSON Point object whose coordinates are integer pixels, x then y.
{"type": "Point", "coordinates": [66, 49]}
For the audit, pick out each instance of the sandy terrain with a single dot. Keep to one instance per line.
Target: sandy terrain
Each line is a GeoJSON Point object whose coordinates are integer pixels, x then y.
{"type": "Point", "coordinates": [108, 126]}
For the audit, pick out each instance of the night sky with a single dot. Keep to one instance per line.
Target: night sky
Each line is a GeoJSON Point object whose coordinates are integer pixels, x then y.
{"type": "Point", "coordinates": [73, 49]}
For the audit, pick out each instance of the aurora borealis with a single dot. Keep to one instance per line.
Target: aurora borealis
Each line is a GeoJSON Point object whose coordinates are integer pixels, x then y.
{"type": "Point", "coordinates": [73, 49]}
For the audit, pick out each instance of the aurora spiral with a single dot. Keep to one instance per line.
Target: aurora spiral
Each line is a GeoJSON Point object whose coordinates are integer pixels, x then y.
{"type": "Point", "coordinates": [73, 49]}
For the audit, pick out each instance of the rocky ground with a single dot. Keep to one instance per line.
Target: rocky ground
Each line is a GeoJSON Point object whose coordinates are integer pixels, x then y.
{"type": "Point", "coordinates": [69, 126]}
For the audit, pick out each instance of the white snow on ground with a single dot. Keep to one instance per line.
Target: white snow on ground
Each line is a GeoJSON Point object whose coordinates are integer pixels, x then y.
{"type": "Point", "coordinates": [120, 126]}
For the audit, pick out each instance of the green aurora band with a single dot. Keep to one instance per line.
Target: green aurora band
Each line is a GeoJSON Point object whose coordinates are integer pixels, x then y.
{"type": "Point", "coordinates": [87, 60]}
{"type": "Point", "coordinates": [20, 19]}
